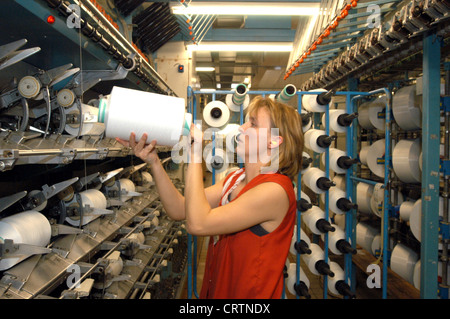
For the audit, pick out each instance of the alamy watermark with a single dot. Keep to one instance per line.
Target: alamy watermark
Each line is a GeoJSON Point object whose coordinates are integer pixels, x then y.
{"type": "Point", "coordinates": [374, 279]}
{"type": "Point", "coordinates": [252, 145]}
{"type": "Point", "coordinates": [74, 19]}
{"type": "Point", "coordinates": [373, 20]}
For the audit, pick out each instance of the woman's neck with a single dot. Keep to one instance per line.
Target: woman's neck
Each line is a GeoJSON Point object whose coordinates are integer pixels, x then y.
{"type": "Point", "coordinates": [251, 171]}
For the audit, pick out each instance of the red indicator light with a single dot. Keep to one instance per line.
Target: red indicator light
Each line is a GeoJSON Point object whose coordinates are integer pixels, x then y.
{"type": "Point", "coordinates": [50, 19]}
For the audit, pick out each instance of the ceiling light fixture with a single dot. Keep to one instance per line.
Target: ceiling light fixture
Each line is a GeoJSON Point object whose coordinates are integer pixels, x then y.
{"type": "Point", "coordinates": [205, 69]}
{"type": "Point", "coordinates": [242, 47]}
{"type": "Point", "coordinates": [226, 8]}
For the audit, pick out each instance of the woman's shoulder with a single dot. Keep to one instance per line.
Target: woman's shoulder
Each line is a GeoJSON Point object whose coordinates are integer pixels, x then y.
{"type": "Point", "coordinates": [277, 178]}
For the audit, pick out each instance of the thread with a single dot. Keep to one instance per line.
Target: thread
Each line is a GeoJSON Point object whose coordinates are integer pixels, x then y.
{"type": "Point", "coordinates": [372, 115]}
{"type": "Point", "coordinates": [338, 203]}
{"type": "Point", "coordinates": [88, 117]}
{"type": "Point", "coordinates": [28, 227]}
{"type": "Point", "coordinates": [339, 120]}
{"type": "Point", "coordinates": [317, 140]}
{"type": "Point", "coordinates": [406, 209]}
{"type": "Point", "coordinates": [286, 94]}
{"type": "Point", "coordinates": [405, 160]}
{"type": "Point", "coordinates": [375, 158]}
{"type": "Point", "coordinates": [339, 181]}
{"type": "Point", "coordinates": [406, 108]}
{"type": "Point", "coordinates": [337, 284]}
{"type": "Point", "coordinates": [314, 218]}
{"type": "Point", "coordinates": [304, 203]}
{"type": "Point", "coordinates": [127, 189]}
{"type": "Point", "coordinates": [315, 179]}
{"type": "Point", "coordinates": [136, 239]}
{"type": "Point", "coordinates": [302, 288]}
{"type": "Point", "coordinates": [363, 153]}
{"type": "Point", "coordinates": [306, 162]}
{"type": "Point", "coordinates": [403, 261]}
{"type": "Point", "coordinates": [339, 161]}
{"type": "Point", "coordinates": [303, 246]}
{"type": "Point", "coordinates": [219, 161]}
{"type": "Point", "coordinates": [337, 242]}
{"type": "Point", "coordinates": [316, 261]}
{"type": "Point", "coordinates": [316, 102]}
{"type": "Point", "coordinates": [415, 217]}
{"type": "Point", "coordinates": [364, 193]}
{"type": "Point", "coordinates": [162, 117]}
{"type": "Point", "coordinates": [377, 199]}
{"type": "Point", "coordinates": [146, 178]}
{"type": "Point", "coordinates": [416, 276]}
{"type": "Point", "coordinates": [93, 198]}
{"type": "Point", "coordinates": [365, 235]}
{"type": "Point", "coordinates": [306, 120]}
{"type": "Point", "coordinates": [113, 269]}
{"type": "Point", "coordinates": [216, 114]}
{"type": "Point", "coordinates": [239, 96]}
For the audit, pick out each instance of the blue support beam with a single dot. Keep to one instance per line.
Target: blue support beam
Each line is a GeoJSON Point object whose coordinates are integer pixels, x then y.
{"type": "Point", "coordinates": [430, 166]}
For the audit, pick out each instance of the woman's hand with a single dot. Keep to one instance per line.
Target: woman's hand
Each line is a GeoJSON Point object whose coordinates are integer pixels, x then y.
{"type": "Point", "coordinates": [146, 152]}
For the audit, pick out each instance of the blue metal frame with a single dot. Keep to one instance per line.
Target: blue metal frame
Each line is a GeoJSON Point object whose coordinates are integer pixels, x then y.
{"type": "Point", "coordinates": [350, 189]}
{"type": "Point", "coordinates": [430, 165]}
{"type": "Point", "coordinates": [387, 169]}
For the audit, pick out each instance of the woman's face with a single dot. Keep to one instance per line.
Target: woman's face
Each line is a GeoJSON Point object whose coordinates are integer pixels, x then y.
{"type": "Point", "coordinates": [254, 138]}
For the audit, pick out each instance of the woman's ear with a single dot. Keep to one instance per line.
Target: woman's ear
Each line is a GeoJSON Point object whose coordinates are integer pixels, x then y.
{"type": "Point", "coordinates": [275, 141]}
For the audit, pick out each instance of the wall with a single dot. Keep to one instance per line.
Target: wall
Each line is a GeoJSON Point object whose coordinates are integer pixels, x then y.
{"type": "Point", "coordinates": [167, 60]}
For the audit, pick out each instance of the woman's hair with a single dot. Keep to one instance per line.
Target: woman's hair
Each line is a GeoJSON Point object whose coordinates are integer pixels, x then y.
{"type": "Point", "coordinates": [289, 124]}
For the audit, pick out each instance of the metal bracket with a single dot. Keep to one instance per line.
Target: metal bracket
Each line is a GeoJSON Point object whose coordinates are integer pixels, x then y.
{"type": "Point", "coordinates": [9, 249]}
{"type": "Point", "coordinates": [37, 198]}
{"type": "Point", "coordinates": [87, 79]}
{"type": "Point", "coordinates": [10, 55]}
{"type": "Point", "coordinates": [7, 201]}
{"type": "Point", "coordinates": [83, 290]}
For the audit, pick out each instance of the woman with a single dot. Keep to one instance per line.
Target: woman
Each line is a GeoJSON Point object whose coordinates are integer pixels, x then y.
{"type": "Point", "coordinates": [250, 215]}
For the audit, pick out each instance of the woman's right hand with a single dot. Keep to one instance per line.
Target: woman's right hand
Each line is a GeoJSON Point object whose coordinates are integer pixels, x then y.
{"type": "Point", "coordinates": [146, 152]}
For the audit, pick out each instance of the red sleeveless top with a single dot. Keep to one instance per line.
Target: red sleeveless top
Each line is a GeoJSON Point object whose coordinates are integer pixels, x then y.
{"type": "Point", "coordinates": [244, 265]}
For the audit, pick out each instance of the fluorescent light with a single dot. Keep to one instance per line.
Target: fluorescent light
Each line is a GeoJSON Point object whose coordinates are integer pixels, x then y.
{"type": "Point", "coordinates": [226, 8]}
{"type": "Point", "coordinates": [242, 47]}
{"type": "Point", "coordinates": [218, 85]}
{"type": "Point", "coordinates": [205, 69]}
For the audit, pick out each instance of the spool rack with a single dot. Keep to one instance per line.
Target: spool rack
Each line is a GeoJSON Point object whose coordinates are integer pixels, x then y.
{"type": "Point", "coordinates": [411, 40]}
{"type": "Point", "coordinates": [35, 152]}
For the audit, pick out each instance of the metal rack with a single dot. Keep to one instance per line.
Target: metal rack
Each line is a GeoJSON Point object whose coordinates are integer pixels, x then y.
{"type": "Point", "coordinates": [412, 36]}
{"type": "Point", "coordinates": [367, 47]}
{"type": "Point", "coordinates": [76, 53]}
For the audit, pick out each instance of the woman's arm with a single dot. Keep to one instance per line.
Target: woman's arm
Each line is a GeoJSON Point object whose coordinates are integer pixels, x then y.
{"type": "Point", "coordinates": [265, 203]}
{"type": "Point", "coordinates": [173, 201]}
